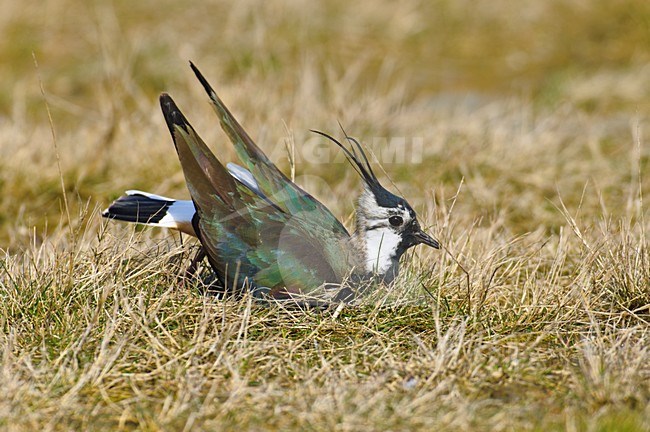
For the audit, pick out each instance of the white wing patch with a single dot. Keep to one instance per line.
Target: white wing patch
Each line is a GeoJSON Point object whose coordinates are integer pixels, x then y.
{"type": "Point", "coordinates": [244, 176]}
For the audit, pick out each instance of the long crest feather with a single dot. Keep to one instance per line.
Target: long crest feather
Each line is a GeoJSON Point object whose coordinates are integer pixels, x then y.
{"type": "Point", "coordinates": [360, 164]}
{"type": "Point", "coordinates": [356, 143]}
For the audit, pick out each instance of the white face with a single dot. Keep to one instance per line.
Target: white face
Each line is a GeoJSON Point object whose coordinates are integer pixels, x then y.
{"type": "Point", "coordinates": [383, 228]}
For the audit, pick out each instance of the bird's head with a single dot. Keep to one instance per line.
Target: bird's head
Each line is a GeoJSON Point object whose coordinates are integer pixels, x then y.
{"type": "Point", "coordinates": [386, 223]}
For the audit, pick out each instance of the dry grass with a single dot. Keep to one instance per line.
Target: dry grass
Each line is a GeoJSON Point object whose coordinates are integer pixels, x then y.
{"type": "Point", "coordinates": [533, 172]}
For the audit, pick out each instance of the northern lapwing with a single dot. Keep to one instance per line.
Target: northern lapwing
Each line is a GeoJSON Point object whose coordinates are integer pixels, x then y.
{"type": "Point", "coordinates": [261, 232]}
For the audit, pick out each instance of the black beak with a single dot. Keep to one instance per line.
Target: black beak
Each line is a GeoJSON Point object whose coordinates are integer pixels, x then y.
{"type": "Point", "coordinates": [421, 237]}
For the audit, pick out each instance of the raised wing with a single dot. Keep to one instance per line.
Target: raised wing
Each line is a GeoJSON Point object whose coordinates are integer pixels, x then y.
{"type": "Point", "coordinates": [272, 182]}
{"type": "Point", "coordinates": [249, 238]}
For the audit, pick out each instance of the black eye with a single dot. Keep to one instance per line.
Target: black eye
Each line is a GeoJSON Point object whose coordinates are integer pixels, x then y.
{"type": "Point", "coordinates": [395, 221]}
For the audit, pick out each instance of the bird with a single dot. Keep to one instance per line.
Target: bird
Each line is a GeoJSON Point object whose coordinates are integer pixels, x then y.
{"type": "Point", "coordinates": [261, 233]}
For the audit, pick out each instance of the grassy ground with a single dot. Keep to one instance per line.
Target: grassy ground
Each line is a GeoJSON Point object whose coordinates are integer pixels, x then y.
{"type": "Point", "coordinates": [526, 125]}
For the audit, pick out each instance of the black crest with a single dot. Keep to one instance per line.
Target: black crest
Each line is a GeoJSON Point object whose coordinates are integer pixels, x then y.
{"type": "Point", "coordinates": [359, 161]}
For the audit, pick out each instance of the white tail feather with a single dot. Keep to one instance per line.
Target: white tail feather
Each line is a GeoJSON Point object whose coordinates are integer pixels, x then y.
{"type": "Point", "coordinates": [153, 210]}
{"type": "Point", "coordinates": [157, 210]}
{"type": "Point", "coordinates": [179, 216]}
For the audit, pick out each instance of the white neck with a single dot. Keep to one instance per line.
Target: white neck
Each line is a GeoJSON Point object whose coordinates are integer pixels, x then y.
{"type": "Point", "coordinates": [380, 250]}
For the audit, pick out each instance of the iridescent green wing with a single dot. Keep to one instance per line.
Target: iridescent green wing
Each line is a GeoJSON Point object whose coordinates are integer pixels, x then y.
{"type": "Point", "coordinates": [273, 183]}
{"type": "Point", "coordinates": [248, 237]}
